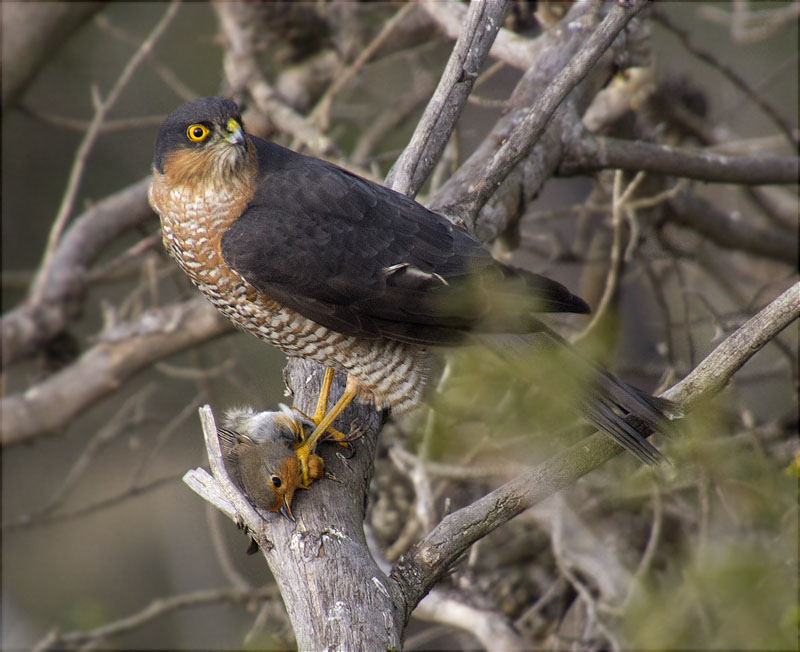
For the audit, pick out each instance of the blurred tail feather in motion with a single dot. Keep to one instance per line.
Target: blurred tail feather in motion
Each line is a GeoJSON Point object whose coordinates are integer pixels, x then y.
{"type": "Point", "coordinates": [625, 413]}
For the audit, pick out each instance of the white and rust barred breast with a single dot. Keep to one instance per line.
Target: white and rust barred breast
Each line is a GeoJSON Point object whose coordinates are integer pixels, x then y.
{"type": "Point", "coordinates": [386, 372]}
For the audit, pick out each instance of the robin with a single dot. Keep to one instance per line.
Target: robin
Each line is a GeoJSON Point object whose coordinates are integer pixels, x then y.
{"type": "Point", "coordinates": [259, 452]}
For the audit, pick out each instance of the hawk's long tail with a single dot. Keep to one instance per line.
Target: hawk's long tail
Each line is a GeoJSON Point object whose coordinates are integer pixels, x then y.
{"type": "Point", "coordinates": [623, 412]}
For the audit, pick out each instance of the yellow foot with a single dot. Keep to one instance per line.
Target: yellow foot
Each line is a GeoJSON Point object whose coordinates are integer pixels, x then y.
{"type": "Point", "coordinates": [316, 469]}
{"type": "Point", "coordinates": [331, 434]}
{"type": "Point", "coordinates": [323, 420]}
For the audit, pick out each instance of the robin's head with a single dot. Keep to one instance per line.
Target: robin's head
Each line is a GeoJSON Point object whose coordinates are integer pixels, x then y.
{"type": "Point", "coordinates": [268, 471]}
{"type": "Point", "coordinates": [203, 142]}
{"type": "Point", "coordinates": [271, 475]}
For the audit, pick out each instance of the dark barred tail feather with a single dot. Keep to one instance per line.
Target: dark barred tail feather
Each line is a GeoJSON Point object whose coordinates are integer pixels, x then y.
{"type": "Point", "coordinates": [625, 413]}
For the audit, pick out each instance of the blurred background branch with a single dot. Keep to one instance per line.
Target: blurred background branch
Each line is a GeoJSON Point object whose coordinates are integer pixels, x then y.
{"type": "Point", "coordinates": [116, 351]}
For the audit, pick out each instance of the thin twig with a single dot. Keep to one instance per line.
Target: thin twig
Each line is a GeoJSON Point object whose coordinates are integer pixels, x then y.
{"type": "Point", "coordinates": [618, 202]}
{"type": "Point", "coordinates": [430, 137]}
{"type": "Point", "coordinates": [156, 609]}
{"type": "Point", "coordinates": [102, 438]}
{"type": "Point", "coordinates": [167, 74]}
{"type": "Point", "coordinates": [82, 154]}
{"type": "Point", "coordinates": [652, 544]}
{"type": "Point", "coordinates": [25, 522]}
{"type": "Point", "coordinates": [109, 126]}
{"type": "Point", "coordinates": [321, 113]}
{"type": "Point", "coordinates": [222, 549]}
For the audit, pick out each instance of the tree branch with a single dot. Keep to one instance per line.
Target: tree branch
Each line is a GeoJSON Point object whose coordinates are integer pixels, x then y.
{"type": "Point", "coordinates": [477, 34]}
{"type": "Point", "coordinates": [588, 154]}
{"type": "Point", "coordinates": [28, 326]}
{"type": "Point", "coordinates": [242, 71]}
{"type": "Point", "coordinates": [726, 230]}
{"type": "Point", "coordinates": [533, 125]}
{"type": "Point", "coordinates": [335, 593]}
{"type": "Point", "coordinates": [735, 78]}
{"type": "Point", "coordinates": [156, 609]}
{"type": "Point", "coordinates": [123, 351]}
{"type": "Point", "coordinates": [555, 49]}
{"type": "Point", "coordinates": [508, 47]}
{"type": "Point", "coordinates": [430, 559]}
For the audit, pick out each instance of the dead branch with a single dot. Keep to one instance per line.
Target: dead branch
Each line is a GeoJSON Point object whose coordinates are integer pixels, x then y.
{"type": "Point", "coordinates": [727, 230]}
{"type": "Point", "coordinates": [156, 609]}
{"type": "Point", "coordinates": [123, 351]}
{"type": "Point", "coordinates": [587, 154]}
{"type": "Point", "coordinates": [532, 126]}
{"type": "Point", "coordinates": [555, 48]}
{"type": "Point", "coordinates": [335, 593]}
{"type": "Point", "coordinates": [420, 156]}
{"type": "Point", "coordinates": [28, 326]}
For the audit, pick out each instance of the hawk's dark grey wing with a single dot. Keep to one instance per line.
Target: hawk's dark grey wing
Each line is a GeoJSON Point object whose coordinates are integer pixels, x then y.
{"type": "Point", "coordinates": [364, 260]}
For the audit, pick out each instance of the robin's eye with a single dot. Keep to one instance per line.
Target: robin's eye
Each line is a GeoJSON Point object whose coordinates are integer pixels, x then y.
{"type": "Point", "coordinates": [276, 481]}
{"type": "Point", "coordinates": [197, 133]}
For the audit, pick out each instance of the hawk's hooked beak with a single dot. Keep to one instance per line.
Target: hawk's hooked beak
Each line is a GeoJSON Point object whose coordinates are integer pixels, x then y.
{"type": "Point", "coordinates": [236, 133]}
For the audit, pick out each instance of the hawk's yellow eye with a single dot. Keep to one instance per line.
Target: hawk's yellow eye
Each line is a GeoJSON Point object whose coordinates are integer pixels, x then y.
{"type": "Point", "coordinates": [197, 132]}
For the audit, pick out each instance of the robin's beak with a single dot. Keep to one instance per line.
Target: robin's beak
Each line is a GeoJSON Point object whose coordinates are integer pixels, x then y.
{"type": "Point", "coordinates": [236, 135]}
{"type": "Point", "coordinates": [286, 510]}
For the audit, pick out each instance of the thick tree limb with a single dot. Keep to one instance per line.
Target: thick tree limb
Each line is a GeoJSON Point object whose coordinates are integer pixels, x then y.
{"type": "Point", "coordinates": [525, 134]}
{"type": "Point", "coordinates": [25, 328]}
{"type": "Point", "coordinates": [336, 595]}
{"type": "Point", "coordinates": [587, 154]}
{"type": "Point", "coordinates": [508, 47]}
{"type": "Point", "coordinates": [32, 32]}
{"type": "Point", "coordinates": [430, 559]}
{"type": "Point", "coordinates": [556, 48]}
{"type": "Point", "coordinates": [477, 34]}
{"type": "Point", "coordinates": [122, 352]}
{"type": "Point", "coordinates": [725, 230]}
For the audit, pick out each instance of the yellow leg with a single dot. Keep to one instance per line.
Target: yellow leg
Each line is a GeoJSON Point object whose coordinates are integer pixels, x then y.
{"type": "Point", "coordinates": [324, 393]}
{"type": "Point", "coordinates": [322, 406]}
{"type": "Point", "coordinates": [305, 449]}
